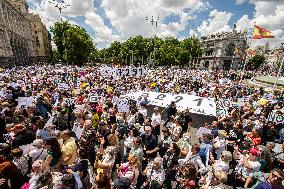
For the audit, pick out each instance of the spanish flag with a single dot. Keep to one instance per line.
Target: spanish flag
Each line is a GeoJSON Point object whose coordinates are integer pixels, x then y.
{"type": "Point", "coordinates": [259, 33]}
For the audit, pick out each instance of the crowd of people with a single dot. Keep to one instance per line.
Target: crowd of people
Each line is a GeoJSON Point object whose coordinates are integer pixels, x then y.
{"type": "Point", "coordinates": [63, 140]}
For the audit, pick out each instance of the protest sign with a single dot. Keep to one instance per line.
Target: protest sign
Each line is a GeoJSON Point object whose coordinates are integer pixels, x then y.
{"type": "Point", "coordinates": [276, 117]}
{"type": "Point", "coordinates": [93, 98]}
{"type": "Point", "coordinates": [194, 104]}
{"type": "Point", "coordinates": [69, 101]}
{"type": "Point", "coordinates": [63, 86]}
{"type": "Point", "coordinates": [123, 105]}
{"type": "Point", "coordinates": [25, 102]}
{"type": "Point", "coordinates": [223, 106]}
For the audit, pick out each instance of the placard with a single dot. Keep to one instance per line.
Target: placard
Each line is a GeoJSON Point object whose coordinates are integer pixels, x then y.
{"type": "Point", "coordinates": [63, 86]}
{"type": "Point", "coordinates": [93, 98]}
{"type": "Point", "coordinates": [194, 104]}
{"type": "Point", "coordinates": [223, 106]}
{"type": "Point", "coordinates": [276, 117]}
{"type": "Point", "coordinates": [123, 105]}
{"type": "Point", "coordinates": [25, 102]}
{"type": "Point", "coordinates": [69, 101]}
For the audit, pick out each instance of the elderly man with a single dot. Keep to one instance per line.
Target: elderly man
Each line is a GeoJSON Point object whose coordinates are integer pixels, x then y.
{"type": "Point", "coordinates": [69, 148]}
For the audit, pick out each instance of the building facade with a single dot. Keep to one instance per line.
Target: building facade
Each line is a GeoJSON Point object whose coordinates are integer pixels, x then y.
{"type": "Point", "coordinates": [42, 39]}
{"type": "Point", "coordinates": [222, 51]}
{"type": "Point", "coordinates": [17, 46]}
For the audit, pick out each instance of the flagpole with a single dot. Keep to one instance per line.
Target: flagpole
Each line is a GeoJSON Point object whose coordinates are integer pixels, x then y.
{"type": "Point", "coordinates": [245, 63]}
{"type": "Point", "coordinates": [279, 71]}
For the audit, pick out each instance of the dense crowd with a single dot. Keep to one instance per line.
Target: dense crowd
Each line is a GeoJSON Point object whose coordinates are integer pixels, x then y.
{"type": "Point", "coordinates": [55, 142]}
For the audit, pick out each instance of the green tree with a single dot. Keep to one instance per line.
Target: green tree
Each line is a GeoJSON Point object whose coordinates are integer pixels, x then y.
{"type": "Point", "coordinates": [190, 49]}
{"type": "Point", "coordinates": [255, 62]}
{"type": "Point", "coordinates": [59, 37]}
{"type": "Point", "coordinates": [74, 44]}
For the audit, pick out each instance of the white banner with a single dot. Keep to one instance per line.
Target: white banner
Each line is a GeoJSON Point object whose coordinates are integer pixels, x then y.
{"type": "Point", "coordinates": [130, 72]}
{"type": "Point", "coordinates": [69, 101]}
{"type": "Point", "coordinates": [122, 72]}
{"type": "Point", "coordinates": [194, 104]}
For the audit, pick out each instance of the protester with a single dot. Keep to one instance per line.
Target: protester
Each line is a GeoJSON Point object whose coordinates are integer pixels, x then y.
{"type": "Point", "coordinates": [89, 135]}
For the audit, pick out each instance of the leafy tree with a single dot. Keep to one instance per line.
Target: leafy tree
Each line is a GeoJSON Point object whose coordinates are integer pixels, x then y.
{"type": "Point", "coordinates": [168, 51]}
{"type": "Point", "coordinates": [255, 62]}
{"type": "Point", "coordinates": [73, 42]}
{"type": "Point", "coordinates": [59, 38]}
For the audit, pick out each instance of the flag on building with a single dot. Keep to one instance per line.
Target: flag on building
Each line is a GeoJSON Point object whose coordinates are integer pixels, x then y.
{"type": "Point", "coordinates": [259, 33]}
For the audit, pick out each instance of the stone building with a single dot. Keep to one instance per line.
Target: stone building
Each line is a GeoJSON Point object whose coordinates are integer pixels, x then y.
{"type": "Point", "coordinates": [224, 50]}
{"type": "Point", "coordinates": [42, 39]}
{"type": "Point", "coordinates": [17, 46]}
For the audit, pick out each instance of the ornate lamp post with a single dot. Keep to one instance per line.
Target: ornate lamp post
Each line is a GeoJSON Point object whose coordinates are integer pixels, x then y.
{"type": "Point", "coordinates": [154, 23]}
{"type": "Point", "coordinates": [60, 5]}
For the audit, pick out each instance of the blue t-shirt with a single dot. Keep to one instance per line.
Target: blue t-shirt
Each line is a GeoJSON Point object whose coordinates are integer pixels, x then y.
{"type": "Point", "coordinates": [267, 185]}
{"type": "Point", "coordinates": [42, 134]}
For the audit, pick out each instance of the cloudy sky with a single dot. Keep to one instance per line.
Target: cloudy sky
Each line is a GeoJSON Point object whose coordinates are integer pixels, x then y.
{"type": "Point", "coordinates": [110, 20]}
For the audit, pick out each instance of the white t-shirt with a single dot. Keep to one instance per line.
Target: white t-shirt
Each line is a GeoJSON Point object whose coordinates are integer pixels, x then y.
{"type": "Point", "coordinates": [221, 142]}
{"type": "Point", "coordinates": [220, 165]}
{"type": "Point", "coordinates": [77, 130]}
{"type": "Point", "coordinates": [244, 171]}
{"type": "Point", "coordinates": [143, 112]}
{"type": "Point", "coordinates": [156, 119]}
{"type": "Point", "coordinates": [40, 154]}
{"type": "Point", "coordinates": [196, 161]}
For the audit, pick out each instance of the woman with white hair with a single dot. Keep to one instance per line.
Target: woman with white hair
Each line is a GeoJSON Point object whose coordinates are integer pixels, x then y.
{"type": "Point", "coordinates": [222, 164]}
{"type": "Point", "coordinates": [154, 172]}
{"type": "Point", "coordinates": [219, 143]}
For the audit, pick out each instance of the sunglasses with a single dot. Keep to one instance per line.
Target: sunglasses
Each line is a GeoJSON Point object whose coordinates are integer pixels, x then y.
{"type": "Point", "coordinates": [276, 176]}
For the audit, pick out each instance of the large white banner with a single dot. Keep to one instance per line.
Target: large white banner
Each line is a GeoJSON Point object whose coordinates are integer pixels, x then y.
{"type": "Point", "coordinates": [122, 72]}
{"type": "Point", "coordinates": [130, 72]}
{"type": "Point", "coordinates": [194, 104]}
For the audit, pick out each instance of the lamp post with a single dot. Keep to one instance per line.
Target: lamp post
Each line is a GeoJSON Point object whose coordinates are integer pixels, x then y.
{"type": "Point", "coordinates": [154, 23]}
{"type": "Point", "coordinates": [60, 5]}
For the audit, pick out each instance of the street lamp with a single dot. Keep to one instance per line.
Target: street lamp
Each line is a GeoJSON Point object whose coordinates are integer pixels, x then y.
{"type": "Point", "coordinates": [194, 28]}
{"type": "Point", "coordinates": [154, 23]}
{"type": "Point", "coordinates": [60, 5]}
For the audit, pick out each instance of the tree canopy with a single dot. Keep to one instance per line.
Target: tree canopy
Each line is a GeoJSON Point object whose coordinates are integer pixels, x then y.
{"type": "Point", "coordinates": [73, 43]}
{"type": "Point", "coordinates": [137, 50]}
{"type": "Point", "coordinates": [256, 62]}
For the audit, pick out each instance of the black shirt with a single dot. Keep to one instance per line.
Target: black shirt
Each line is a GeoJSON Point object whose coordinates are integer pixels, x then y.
{"type": "Point", "coordinates": [150, 143]}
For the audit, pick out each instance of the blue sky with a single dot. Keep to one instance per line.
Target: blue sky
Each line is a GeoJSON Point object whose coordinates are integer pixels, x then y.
{"type": "Point", "coordinates": [110, 20]}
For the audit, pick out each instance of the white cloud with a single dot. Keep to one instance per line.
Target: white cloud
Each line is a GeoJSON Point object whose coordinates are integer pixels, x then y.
{"type": "Point", "coordinates": [129, 15]}
{"type": "Point", "coordinates": [217, 22]}
{"type": "Point", "coordinates": [244, 23]}
{"type": "Point", "coordinates": [103, 33]}
{"type": "Point", "coordinates": [240, 2]}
